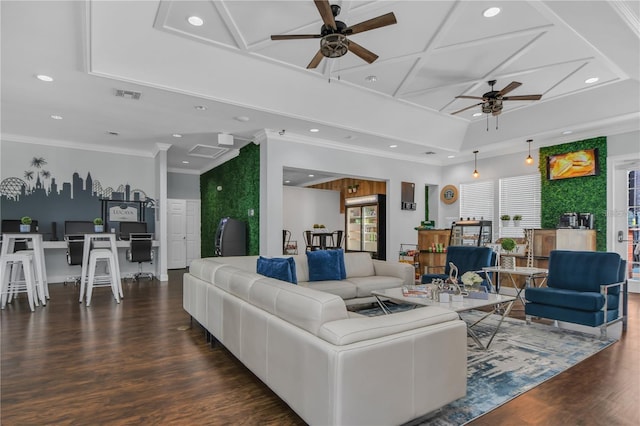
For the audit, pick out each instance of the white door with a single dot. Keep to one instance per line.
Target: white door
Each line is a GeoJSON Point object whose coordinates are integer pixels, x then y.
{"type": "Point", "coordinates": [624, 221]}
{"type": "Point", "coordinates": [193, 230]}
{"type": "Point", "coordinates": [177, 238]}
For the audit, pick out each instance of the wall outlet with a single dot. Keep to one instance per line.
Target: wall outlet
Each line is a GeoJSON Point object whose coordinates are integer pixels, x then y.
{"type": "Point", "coordinates": [250, 212]}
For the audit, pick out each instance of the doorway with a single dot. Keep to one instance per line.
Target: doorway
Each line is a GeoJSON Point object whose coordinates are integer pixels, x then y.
{"type": "Point", "coordinates": [625, 215]}
{"type": "Point", "coordinates": [183, 232]}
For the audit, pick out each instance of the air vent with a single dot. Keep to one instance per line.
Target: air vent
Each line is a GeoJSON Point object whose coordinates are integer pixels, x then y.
{"type": "Point", "coordinates": [430, 153]}
{"type": "Point", "coordinates": [207, 151]}
{"type": "Point", "coordinates": [128, 94]}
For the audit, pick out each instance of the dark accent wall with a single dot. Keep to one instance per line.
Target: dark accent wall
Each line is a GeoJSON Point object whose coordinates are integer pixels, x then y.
{"type": "Point", "coordinates": [240, 182]}
{"type": "Point", "coordinates": [582, 194]}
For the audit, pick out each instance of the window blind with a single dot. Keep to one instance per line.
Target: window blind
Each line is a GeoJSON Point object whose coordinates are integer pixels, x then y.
{"type": "Point", "coordinates": [476, 200]}
{"type": "Point", "coordinates": [519, 195]}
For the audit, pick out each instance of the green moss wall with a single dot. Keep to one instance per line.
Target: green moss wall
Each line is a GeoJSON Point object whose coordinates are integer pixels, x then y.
{"type": "Point", "coordinates": [583, 195]}
{"type": "Point", "coordinates": [240, 182]}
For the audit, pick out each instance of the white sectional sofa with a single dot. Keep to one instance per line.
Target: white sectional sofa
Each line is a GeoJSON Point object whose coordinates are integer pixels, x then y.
{"type": "Point", "coordinates": [331, 366]}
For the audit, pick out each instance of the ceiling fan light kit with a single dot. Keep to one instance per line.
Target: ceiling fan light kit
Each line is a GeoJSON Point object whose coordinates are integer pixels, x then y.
{"type": "Point", "coordinates": [491, 102]}
{"type": "Point", "coordinates": [333, 34]}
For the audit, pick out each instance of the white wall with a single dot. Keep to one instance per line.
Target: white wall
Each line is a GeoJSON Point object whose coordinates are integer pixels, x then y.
{"type": "Point", "coordinates": [278, 151]}
{"type": "Point", "coordinates": [304, 207]}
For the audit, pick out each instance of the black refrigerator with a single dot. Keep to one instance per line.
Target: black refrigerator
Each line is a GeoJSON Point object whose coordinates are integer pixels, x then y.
{"type": "Point", "coordinates": [231, 237]}
{"type": "Point", "coordinates": [365, 225]}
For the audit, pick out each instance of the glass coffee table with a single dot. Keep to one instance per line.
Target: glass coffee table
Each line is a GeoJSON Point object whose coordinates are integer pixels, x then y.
{"type": "Point", "coordinates": [494, 301]}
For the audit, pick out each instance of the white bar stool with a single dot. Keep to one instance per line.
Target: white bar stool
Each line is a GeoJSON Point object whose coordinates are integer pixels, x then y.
{"type": "Point", "coordinates": [104, 240]}
{"type": "Point", "coordinates": [111, 280]}
{"type": "Point", "coordinates": [10, 285]}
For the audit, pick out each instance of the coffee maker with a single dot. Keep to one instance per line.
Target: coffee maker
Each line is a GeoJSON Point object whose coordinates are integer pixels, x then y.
{"type": "Point", "coordinates": [568, 220]}
{"type": "Point", "coordinates": [585, 220]}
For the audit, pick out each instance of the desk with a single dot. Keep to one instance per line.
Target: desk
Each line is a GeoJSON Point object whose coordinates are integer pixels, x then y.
{"type": "Point", "coordinates": [88, 238]}
{"type": "Point", "coordinates": [531, 275]}
{"type": "Point", "coordinates": [35, 240]}
{"type": "Point", "coordinates": [58, 270]}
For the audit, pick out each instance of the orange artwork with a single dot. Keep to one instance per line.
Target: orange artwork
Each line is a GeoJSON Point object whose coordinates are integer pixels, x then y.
{"type": "Point", "coordinates": [573, 164]}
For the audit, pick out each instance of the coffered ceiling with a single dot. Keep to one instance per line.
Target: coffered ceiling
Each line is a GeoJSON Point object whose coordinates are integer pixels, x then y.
{"type": "Point", "coordinates": [247, 83]}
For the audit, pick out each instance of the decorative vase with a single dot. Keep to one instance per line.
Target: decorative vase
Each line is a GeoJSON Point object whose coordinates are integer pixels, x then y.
{"type": "Point", "coordinates": [98, 228]}
{"type": "Point", "coordinates": [505, 223]}
{"type": "Point", "coordinates": [508, 262]}
{"type": "Point", "coordinates": [516, 223]}
{"type": "Point", "coordinates": [25, 228]}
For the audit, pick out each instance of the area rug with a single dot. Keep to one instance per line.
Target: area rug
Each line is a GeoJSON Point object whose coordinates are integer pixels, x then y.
{"type": "Point", "coordinates": [520, 357]}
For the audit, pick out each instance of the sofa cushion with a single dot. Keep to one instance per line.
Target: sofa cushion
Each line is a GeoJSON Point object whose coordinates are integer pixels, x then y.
{"type": "Point", "coordinates": [324, 265]}
{"type": "Point", "coordinates": [366, 285]}
{"type": "Point", "coordinates": [283, 269]}
{"type": "Point", "coordinates": [583, 270]}
{"type": "Point", "coordinates": [354, 329]}
{"type": "Point", "coordinates": [343, 288]}
{"type": "Point", "coordinates": [359, 264]}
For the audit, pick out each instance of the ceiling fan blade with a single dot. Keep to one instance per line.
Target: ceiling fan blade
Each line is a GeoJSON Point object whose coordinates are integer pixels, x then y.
{"type": "Point", "coordinates": [363, 53]}
{"type": "Point", "coordinates": [469, 107]}
{"type": "Point", "coordinates": [325, 12]}
{"type": "Point", "coordinates": [371, 24]}
{"type": "Point", "coordinates": [316, 60]}
{"type": "Point", "coordinates": [294, 36]}
{"type": "Point", "coordinates": [469, 97]}
{"type": "Point", "coordinates": [511, 86]}
{"type": "Point", "coordinates": [522, 98]}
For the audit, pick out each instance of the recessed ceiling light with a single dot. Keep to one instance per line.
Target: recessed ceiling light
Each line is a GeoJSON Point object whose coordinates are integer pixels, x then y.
{"type": "Point", "coordinates": [314, 130]}
{"type": "Point", "coordinates": [567, 132]}
{"type": "Point", "coordinates": [196, 21]}
{"type": "Point", "coordinates": [393, 146]}
{"type": "Point", "coordinates": [200, 107]}
{"type": "Point", "coordinates": [451, 156]}
{"type": "Point", "coordinates": [176, 135]}
{"type": "Point", "coordinates": [476, 114]}
{"type": "Point", "coordinates": [311, 175]}
{"type": "Point", "coordinates": [185, 162]}
{"type": "Point", "coordinates": [56, 117]}
{"type": "Point", "coordinates": [371, 79]}
{"type": "Point", "coordinates": [591, 80]}
{"type": "Point", "coordinates": [491, 12]}
{"type": "Point", "coordinates": [287, 181]}
{"type": "Point", "coordinates": [241, 118]}
{"type": "Point", "coordinates": [43, 77]}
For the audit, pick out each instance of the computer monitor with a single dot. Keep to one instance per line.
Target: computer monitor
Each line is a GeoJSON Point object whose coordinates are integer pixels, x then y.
{"type": "Point", "coordinates": [127, 228]}
{"type": "Point", "coordinates": [72, 227]}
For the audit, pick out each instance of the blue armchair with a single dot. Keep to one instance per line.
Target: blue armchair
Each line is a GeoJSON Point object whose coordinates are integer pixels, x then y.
{"type": "Point", "coordinates": [466, 258]}
{"type": "Point", "coordinates": [583, 287]}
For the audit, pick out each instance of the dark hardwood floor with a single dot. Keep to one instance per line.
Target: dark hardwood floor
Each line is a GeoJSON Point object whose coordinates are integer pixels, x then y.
{"type": "Point", "coordinates": [140, 363]}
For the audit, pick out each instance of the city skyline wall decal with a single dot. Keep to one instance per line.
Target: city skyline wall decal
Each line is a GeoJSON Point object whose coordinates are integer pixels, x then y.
{"type": "Point", "coordinates": [37, 193]}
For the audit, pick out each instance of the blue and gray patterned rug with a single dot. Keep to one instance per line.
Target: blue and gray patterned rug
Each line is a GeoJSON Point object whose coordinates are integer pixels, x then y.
{"type": "Point", "coordinates": [520, 357]}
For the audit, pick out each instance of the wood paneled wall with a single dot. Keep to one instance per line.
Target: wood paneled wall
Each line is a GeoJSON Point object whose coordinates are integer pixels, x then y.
{"type": "Point", "coordinates": [363, 187]}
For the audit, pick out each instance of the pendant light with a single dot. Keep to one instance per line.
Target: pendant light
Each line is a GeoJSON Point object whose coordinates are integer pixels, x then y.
{"type": "Point", "coordinates": [475, 164]}
{"type": "Point", "coordinates": [529, 159]}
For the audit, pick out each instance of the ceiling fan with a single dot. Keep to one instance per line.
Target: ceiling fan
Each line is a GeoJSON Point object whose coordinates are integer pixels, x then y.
{"type": "Point", "coordinates": [492, 100]}
{"type": "Point", "coordinates": [333, 34]}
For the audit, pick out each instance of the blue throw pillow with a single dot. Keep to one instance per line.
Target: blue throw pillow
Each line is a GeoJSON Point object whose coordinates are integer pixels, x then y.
{"type": "Point", "coordinates": [324, 265]}
{"type": "Point", "coordinates": [283, 269]}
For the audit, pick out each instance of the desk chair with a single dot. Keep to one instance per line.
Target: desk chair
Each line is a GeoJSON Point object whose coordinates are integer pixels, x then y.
{"type": "Point", "coordinates": [75, 245]}
{"type": "Point", "coordinates": [140, 250]}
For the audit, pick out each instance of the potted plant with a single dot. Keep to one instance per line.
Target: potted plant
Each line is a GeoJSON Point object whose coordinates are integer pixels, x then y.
{"type": "Point", "coordinates": [516, 219]}
{"type": "Point", "coordinates": [507, 245]}
{"type": "Point", "coordinates": [98, 225]}
{"type": "Point", "coordinates": [25, 224]}
{"type": "Point", "coordinates": [505, 218]}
